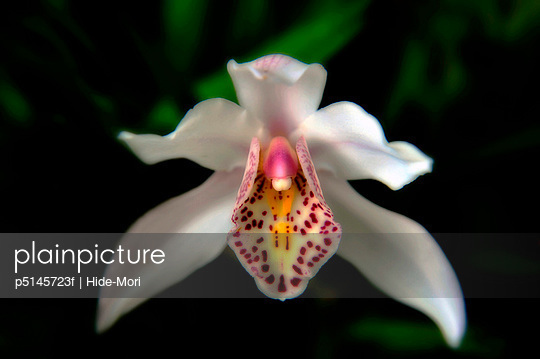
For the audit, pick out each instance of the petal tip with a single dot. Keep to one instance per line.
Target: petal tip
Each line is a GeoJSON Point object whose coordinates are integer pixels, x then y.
{"type": "Point", "coordinates": [125, 136]}
{"type": "Point", "coordinates": [232, 65]}
{"type": "Point", "coordinates": [454, 340]}
{"type": "Point", "coordinates": [102, 326]}
{"type": "Point", "coordinates": [111, 309]}
{"type": "Point", "coordinates": [455, 328]}
{"type": "Point", "coordinates": [280, 67]}
{"type": "Point", "coordinates": [105, 319]}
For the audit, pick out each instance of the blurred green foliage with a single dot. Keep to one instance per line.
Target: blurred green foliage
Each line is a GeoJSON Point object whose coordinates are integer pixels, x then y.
{"type": "Point", "coordinates": [14, 104]}
{"type": "Point", "coordinates": [431, 76]}
{"type": "Point", "coordinates": [164, 113]}
{"type": "Point", "coordinates": [433, 82]}
{"type": "Point", "coordinates": [183, 23]}
{"type": "Point", "coordinates": [408, 337]}
{"type": "Point", "coordinates": [395, 335]}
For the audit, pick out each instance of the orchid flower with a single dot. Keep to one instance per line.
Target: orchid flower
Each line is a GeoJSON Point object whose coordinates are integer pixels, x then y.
{"type": "Point", "coordinates": [280, 191]}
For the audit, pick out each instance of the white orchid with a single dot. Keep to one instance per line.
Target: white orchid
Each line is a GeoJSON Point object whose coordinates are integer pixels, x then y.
{"type": "Point", "coordinates": [280, 225]}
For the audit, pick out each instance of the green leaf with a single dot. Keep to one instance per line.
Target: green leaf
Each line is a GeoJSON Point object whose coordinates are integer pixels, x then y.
{"type": "Point", "coordinates": [397, 335]}
{"type": "Point", "coordinates": [407, 336]}
{"type": "Point", "coordinates": [413, 84]}
{"type": "Point", "coordinates": [164, 117]}
{"type": "Point", "coordinates": [248, 20]}
{"type": "Point", "coordinates": [524, 19]}
{"type": "Point", "coordinates": [183, 23]}
{"type": "Point", "coordinates": [14, 104]}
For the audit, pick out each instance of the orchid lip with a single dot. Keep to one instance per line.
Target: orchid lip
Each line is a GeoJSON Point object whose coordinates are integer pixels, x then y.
{"type": "Point", "coordinates": [284, 231]}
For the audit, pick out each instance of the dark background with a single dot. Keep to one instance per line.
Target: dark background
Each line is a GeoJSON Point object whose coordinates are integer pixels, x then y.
{"type": "Point", "coordinates": [456, 78]}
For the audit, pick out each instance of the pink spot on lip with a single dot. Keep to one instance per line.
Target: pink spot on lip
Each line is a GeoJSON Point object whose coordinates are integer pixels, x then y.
{"type": "Point", "coordinates": [295, 281]}
{"type": "Point", "coordinates": [281, 286]}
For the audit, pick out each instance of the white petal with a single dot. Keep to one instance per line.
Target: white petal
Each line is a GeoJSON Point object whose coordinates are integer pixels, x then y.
{"type": "Point", "coordinates": [206, 209]}
{"type": "Point", "coordinates": [279, 90]}
{"type": "Point", "coordinates": [216, 134]}
{"type": "Point", "coordinates": [398, 256]}
{"type": "Point", "coordinates": [345, 139]}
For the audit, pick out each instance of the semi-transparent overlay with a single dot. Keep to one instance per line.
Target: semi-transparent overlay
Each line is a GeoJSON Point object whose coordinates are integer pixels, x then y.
{"type": "Point", "coordinates": [73, 265]}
